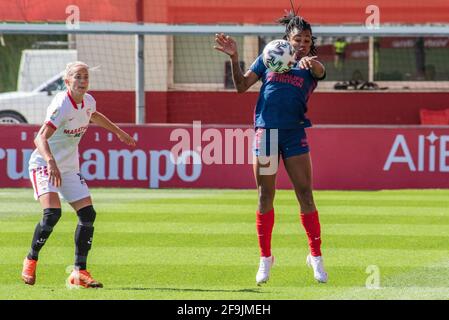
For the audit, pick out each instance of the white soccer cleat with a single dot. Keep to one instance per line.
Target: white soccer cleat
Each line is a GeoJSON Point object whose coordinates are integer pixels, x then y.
{"type": "Point", "coordinates": [263, 274]}
{"type": "Point", "coordinates": [316, 263]}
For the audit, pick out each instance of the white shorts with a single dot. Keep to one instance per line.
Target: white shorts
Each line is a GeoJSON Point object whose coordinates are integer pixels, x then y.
{"type": "Point", "coordinates": [73, 186]}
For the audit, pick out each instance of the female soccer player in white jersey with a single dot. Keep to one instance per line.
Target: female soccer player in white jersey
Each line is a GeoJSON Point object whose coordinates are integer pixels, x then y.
{"type": "Point", "coordinates": [282, 106]}
{"type": "Point", "coordinates": [54, 171]}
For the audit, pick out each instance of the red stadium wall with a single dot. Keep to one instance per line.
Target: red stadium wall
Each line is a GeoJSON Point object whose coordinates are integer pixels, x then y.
{"type": "Point", "coordinates": [229, 11]}
{"type": "Point", "coordinates": [354, 158]}
{"type": "Point", "coordinates": [232, 108]}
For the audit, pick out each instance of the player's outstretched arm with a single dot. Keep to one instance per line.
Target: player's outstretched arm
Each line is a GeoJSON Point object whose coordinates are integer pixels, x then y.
{"type": "Point", "coordinates": [104, 122]}
{"type": "Point", "coordinates": [41, 142]}
{"type": "Point", "coordinates": [227, 45]}
{"type": "Point", "coordinates": [314, 65]}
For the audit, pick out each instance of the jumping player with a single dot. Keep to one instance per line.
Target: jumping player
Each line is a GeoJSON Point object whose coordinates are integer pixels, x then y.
{"type": "Point", "coordinates": [54, 169]}
{"type": "Point", "coordinates": [282, 105]}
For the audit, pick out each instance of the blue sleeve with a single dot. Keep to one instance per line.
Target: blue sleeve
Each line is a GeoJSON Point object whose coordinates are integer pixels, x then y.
{"type": "Point", "coordinates": [258, 67]}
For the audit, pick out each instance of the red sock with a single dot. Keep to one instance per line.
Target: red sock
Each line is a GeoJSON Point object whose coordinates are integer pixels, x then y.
{"type": "Point", "coordinates": [311, 224]}
{"type": "Point", "coordinates": [264, 225]}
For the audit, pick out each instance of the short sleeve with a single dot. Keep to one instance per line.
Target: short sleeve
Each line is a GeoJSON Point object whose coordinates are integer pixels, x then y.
{"type": "Point", "coordinates": [56, 113]}
{"type": "Point", "coordinates": [258, 67]}
{"type": "Point", "coordinates": [92, 103]}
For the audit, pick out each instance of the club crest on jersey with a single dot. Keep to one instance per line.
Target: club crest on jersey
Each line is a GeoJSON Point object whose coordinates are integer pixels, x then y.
{"type": "Point", "coordinates": [54, 115]}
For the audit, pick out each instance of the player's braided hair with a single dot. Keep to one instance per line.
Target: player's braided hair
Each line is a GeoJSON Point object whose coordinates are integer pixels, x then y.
{"type": "Point", "coordinates": [291, 22]}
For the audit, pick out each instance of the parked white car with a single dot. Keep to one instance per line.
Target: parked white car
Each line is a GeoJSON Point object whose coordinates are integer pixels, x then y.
{"type": "Point", "coordinates": [39, 79]}
{"type": "Point", "coordinates": [29, 107]}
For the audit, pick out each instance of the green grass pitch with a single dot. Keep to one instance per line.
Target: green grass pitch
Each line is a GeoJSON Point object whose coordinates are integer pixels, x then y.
{"type": "Point", "coordinates": [202, 244]}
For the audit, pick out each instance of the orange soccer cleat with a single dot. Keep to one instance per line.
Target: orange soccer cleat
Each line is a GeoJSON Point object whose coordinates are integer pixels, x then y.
{"type": "Point", "coordinates": [84, 279]}
{"type": "Point", "coordinates": [29, 271]}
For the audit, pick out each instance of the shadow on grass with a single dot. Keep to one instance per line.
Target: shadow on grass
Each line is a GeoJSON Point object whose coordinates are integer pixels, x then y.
{"type": "Point", "coordinates": [186, 290]}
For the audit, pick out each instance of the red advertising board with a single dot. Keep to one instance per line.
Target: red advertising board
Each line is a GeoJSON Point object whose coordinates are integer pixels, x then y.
{"type": "Point", "coordinates": [349, 158]}
{"type": "Point", "coordinates": [229, 11]}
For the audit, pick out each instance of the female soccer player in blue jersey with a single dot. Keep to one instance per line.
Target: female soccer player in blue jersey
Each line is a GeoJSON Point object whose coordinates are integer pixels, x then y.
{"type": "Point", "coordinates": [282, 105]}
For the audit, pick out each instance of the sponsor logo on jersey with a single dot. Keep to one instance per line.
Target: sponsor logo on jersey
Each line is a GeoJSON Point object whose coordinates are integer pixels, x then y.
{"type": "Point", "coordinates": [286, 78]}
{"type": "Point", "coordinates": [77, 132]}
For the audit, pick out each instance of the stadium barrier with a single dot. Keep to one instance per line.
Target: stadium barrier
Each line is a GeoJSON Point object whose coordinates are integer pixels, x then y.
{"type": "Point", "coordinates": [365, 108]}
{"type": "Point", "coordinates": [432, 117]}
{"type": "Point", "coordinates": [344, 157]}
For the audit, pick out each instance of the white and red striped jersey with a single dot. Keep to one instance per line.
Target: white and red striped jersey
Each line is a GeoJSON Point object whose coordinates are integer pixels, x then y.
{"type": "Point", "coordinates": [70, 122]}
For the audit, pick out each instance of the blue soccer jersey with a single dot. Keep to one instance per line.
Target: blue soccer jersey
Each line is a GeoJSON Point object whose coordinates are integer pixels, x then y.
{"type": "Point", "coordinates": [283, 97]}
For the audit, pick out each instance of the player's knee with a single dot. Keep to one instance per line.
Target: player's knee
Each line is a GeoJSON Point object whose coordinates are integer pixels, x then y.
{"type": "Point", "coordinates": [266, 198]}
{"type": "Point", "coordinates": [86, 216]}
{"type": "Point", "coordinates": [306, 195]}
{"type": "Point", "coordinates": [50, 218]}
